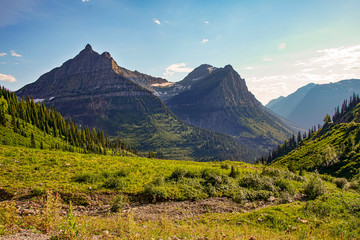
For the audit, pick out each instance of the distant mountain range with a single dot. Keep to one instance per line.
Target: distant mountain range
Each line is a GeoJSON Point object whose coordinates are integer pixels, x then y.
{"type": "Point", "coordinates": [308, 105]}
{"type": "Point", "coordinates": [93, 90]}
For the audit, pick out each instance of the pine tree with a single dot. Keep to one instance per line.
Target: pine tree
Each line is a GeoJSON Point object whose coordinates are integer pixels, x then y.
{"type": "Point", "coordinates": [32, 141]}
{"type": "Point", "coordinates": [3, 110]}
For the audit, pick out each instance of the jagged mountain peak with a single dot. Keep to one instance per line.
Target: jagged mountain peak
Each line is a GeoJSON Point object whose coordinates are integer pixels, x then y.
{"type": "Point", "coordinates": [200, 72]}
{"type": "Point", "coordinates": [88, 47]}
{"type": "Point", "coordinates": [215, 86]}
{"type": "Point", "coordinates": [229, 67]}
{"type": "Point", "coordinates": [87, 50]}
{"type": "Point", "coordinates": [106, 54]}
{"type": "Point", "coordinates": [220, 100]}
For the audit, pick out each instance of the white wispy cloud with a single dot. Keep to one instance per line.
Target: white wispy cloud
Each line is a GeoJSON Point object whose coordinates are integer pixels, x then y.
{"type": "Point", "coordinates": [248, 68]}
{"type": "Point", "coordinates": [282, 46]}
{"type": "Point", "coordinates": [205, 40]}
{"type": "Point", "coordinates": [157, 21]}
{"type": "Point", "coordinates": [321, 66]}
{"type": "Point", "coordinates": [206, 22]}
{"type": "Point", "coordinates": [268, 60]}
{"type": "Point", "coordinates": [3, 54]}
{"type": "Point", "coordinates": [14, 54]}
{"type": "Point", "coordinates": [85, 0]}
{"type": "Point", "coordinates": [7, 78]}
{"type": "Point", "coordinates": [176, 68]}
{"type": "Point", "coordinates": [349, 57]}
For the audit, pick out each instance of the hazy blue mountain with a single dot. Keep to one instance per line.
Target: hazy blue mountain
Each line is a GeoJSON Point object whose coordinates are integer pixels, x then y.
{"type": "Point", "coordinates": [309, 104]}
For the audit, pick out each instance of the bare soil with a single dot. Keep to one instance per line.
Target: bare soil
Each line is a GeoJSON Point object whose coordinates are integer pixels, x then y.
{"type": "Point", "coordinates": [140, 211]}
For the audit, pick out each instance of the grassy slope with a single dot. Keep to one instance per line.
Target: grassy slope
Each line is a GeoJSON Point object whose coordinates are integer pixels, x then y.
{"type": "Point", "coordinates": [334, 149]}
{"type": "Point", "coordinates": [26, 168]}
{"type": "Point", "coordinates": [31, 171]}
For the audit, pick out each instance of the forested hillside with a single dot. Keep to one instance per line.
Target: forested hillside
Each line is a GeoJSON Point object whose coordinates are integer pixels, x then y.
{"type": "Point", "coordinates": [334, 148]}
{"type": "Point", "coordinates": [26, 123]}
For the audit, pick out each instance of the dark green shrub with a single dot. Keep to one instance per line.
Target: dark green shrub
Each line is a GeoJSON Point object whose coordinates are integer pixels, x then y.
{"type": "Point", "coordinates": [113, 183]}
{"type": "Point", "coordinates": [341, 182]}
{"type": "Point", "coordinates": [119, 203]}
{"type": "Point", "coordinates": [178, 174]}
{"type": "Point", "coordinates": [212, 177]}
{"type": "Point", "coordinates": [192, 190]}
{"type": "Point", "coordinates": [285, 185]}
{"type": "Point", "coordinates": [158, 181]}
{"type": "Point", "coordinates": [75, 198]}
{"type": "Point", "coordinates": [122, 172]}
{"type": "Point", "coordinates": [257, 182]}
{"type": "Point", "coordinates": [252, 195]}
{"type": "Point", "coordinates": [234, 172]}
{"type": "Point", "coordinates": [355, 185]}
{"type": "Point", "coordinates": [159, 193]}
{"type": "Point", "coordinates": [271, 172]}
{"type": "Point", "coordinates": [85, 178]}
{"type": "Point", "coordinates": [225, 165]}
{"type": "Point", "coordinates": [37, 191]}
{"type": "Point", "coordinates": [315, 187]}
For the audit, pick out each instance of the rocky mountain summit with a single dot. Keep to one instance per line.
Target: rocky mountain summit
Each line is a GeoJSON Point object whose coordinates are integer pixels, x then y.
{"type": "Point", "coordinates": [88, 71]}
{"type": "Point", "coordinates": [93, 90]}
{"type": "Point", "coordinates": [218, 99]}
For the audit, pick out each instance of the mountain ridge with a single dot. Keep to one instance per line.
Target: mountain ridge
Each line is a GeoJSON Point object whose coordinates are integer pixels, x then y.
{"type": "Point", "coordinates": [90, 90]}
{"type": "Point", "coordinates": [220, 101]}
{"type": "Point", "coordinates": [308, 105]}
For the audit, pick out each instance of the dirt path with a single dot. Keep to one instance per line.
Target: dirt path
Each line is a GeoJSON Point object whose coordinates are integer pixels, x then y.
{"type": "Point", "coordinates": [143, 212]}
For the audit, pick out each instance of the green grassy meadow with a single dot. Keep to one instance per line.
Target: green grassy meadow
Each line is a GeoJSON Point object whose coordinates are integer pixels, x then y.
{"type": "Point", "coordinates": [54, 178]}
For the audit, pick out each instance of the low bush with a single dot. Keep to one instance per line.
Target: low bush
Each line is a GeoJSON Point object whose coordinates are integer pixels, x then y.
{"type": "Point", "coordinates": [355, 185]}
{"type": "Point", "coordinates": [85, 178]}
{"type": "Point", "coordinates": [37, 191]}
{"type": "Point", "coordinates": [8, 218]}
{"type": "Point", "coordinates": [341, 182]}
{"type": "Point", "coordinates": [113, 183]}
{"type": "Point", "coordinates": [119, 203]}
{"type": "Point", "coordinates": [178, 174]}
{"type": "Point", "coordinates": [315, 187]}
{"type": "Point", "coordinates": [257, 182]}
{"type": "Point", "coordinates": [285, 185]}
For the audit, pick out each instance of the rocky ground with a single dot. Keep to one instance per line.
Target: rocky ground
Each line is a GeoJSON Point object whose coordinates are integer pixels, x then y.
{"type": "Point", "coordinates": [150, 212]}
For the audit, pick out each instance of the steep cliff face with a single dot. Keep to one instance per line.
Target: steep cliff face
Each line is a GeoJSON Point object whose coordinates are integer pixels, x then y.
{"type": "Point", "coordinates": [220, 101]}
{"type": "Point", "coordinates": [90, 90]}
{"type": "Point", "coordinates": [86, 73]}
{"type": "Point", "coordinates": [169, 90]}
{"type": "Point", "coordinates": [93, 90]}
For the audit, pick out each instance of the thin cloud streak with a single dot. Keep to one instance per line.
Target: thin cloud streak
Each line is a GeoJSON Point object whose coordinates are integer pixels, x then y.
{"type": "Point", "coordinates": [14, 54]}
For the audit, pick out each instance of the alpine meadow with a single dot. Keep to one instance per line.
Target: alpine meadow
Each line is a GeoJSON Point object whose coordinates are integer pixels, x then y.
{"type": "Point", "coordinates": [241, 122]}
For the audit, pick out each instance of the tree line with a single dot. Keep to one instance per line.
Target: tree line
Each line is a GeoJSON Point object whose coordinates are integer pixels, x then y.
{"type": "Point", "coordinates": [52, 123]}
{"type": "Point", "coordinates": [293, 142]}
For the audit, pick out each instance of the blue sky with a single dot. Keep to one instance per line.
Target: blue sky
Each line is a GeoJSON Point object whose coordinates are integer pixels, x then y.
{"type": "Point", "coordinates": [277, 46]}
